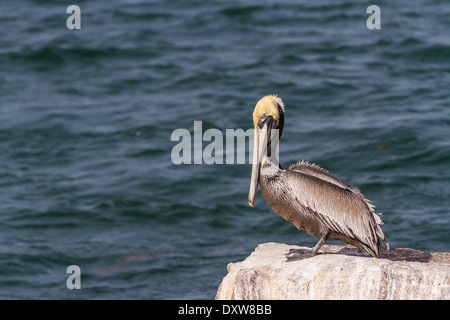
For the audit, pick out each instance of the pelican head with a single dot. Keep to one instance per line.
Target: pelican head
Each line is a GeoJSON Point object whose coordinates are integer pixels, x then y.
{"type": "Point", "coordinates": [268, 121]}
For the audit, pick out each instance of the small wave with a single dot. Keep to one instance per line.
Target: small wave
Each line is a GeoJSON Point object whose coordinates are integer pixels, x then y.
{"type": "Point", "coordinates": [69, 219]}
{"type": "Point", "coordinates": [239, 12]}
{"type": "Point", "coordinates": [139, 14]}
{"type": "Point", "coordinates": [433, 53]}
{"type": "Point", "coordinates": [414, 49]}
{"type": "Point", "coordinates": [57, 55]}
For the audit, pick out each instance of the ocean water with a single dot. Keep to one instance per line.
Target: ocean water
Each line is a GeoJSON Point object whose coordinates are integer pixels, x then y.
{"type": "Point", "coordinates": [86, 118]}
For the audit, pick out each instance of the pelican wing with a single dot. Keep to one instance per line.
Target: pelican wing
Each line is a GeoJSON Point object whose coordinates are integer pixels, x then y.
{"type": "Point", "coordinates": [338, 205]}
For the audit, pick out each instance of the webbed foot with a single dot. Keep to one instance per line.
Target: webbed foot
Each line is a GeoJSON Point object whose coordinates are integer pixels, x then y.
{"type": "Point", "coordinates": [299, 254]}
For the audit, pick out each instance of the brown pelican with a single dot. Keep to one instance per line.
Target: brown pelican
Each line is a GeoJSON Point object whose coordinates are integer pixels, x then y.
{"type": "Point", "coordinates": [307, 195]}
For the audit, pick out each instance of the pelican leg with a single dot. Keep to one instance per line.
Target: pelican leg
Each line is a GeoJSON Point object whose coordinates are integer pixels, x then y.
{"type": "Point", "coordinates": [300, 254]}
{"type": "Point", "coordinates": [319, 244]}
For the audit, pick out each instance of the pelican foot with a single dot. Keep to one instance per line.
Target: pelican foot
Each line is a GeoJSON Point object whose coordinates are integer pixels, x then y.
{"type": "Point", "coordinates": [299, 254]}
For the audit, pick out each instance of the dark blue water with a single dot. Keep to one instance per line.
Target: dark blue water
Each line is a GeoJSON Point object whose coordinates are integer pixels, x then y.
{"type": "Point", "coordinates": [86, 117]}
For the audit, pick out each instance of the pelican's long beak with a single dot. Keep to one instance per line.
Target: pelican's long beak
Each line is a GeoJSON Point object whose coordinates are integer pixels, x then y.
{"type": "Point", "coordinates": [261, 141]}
{"type": "Point", "coordinates": [257, 155]}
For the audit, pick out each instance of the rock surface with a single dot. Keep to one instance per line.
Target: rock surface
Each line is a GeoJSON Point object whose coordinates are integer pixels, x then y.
{"type": "Point", "coordinates": [277, 271]}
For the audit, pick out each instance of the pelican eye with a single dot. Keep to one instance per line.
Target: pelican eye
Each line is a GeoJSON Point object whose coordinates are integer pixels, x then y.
{"type": "Point", "coordinates": [262, 120]}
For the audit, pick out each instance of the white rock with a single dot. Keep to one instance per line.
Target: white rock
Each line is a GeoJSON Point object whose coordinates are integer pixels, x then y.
{"type": "Point", "coordinates": [337, 272]}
